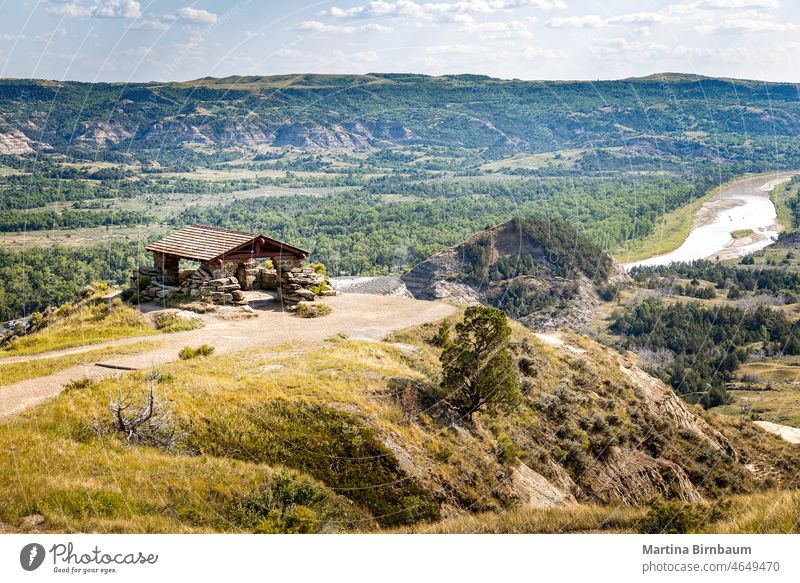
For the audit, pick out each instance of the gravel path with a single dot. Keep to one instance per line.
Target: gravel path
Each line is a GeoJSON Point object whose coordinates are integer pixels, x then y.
{"type": "Point", "coordinates": [358, 315]}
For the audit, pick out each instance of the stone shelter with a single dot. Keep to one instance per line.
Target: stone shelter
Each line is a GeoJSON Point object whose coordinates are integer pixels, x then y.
{"type": "Point", "coordinates": [228, 266]}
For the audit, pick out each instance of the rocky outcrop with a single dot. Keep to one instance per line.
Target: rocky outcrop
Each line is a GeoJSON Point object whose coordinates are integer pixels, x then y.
{"type": "Point", "coordinates": [660, 400]}
{"type": "Point", "coordinates": [210, 131]}
{"type": "Point", "coordinates": [604, 431]}
{"type": "Point", "coordinates": [356, 134]}
{"type": "Point", "coordinates": [245, 134]}
{"type": "Point", "coordinates": [13, 142]}
{"type": "Point", "coordinates": [533, 489]}
{"type": "Point", "coordinates": [103, 134]}
{"type": "Point", "coordinates": [633, 477]}
{"type": "Point", "coordinates": [178, 132]}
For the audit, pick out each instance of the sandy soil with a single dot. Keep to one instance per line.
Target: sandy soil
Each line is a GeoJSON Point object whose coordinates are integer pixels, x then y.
{"type": "Point", "coordinates": [357, 315]}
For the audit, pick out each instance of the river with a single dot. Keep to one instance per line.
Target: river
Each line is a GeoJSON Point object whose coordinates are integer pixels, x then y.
{"type": "Point", "coordinates": [742, 206]}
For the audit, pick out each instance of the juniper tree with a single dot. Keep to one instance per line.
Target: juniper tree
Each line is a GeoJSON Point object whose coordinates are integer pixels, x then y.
{"type": "Point", "coordinates": [478, 370]}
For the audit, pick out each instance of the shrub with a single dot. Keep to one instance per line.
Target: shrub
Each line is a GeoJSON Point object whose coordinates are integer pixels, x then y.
{"type": "Point", "coordinates": [608, 292]}
{"type": "Point", "coordinates": [169, 322]}
{"type": "Point", "coordinates": [318, 289]}
{"type": "Point", "coordinates": [37, 322]}
{"type": "Point", "coordinates": [290, 505]}
{"type": "Point", "coordinates": [510, 452]}
{"type": "Point", "coordinates": [312, 310]}
{"type": "Point", "coordinates": [188, 352]}
{"type": "Point", "coordinates": [319, 268]}
{"type": "Point", "coordinates": [78, 385]}
{"type": "Point", "coordinates": [678, 517]}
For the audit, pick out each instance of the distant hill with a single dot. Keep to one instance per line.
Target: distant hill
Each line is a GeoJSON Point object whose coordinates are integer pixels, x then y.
{"type": "Point", "coordinates": [325, 111]}
{"type": "Point", "coordinates": [539, 271]}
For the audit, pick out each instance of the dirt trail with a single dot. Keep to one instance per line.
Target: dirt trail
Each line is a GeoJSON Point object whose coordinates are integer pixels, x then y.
{"type": "Point", "coordinates": [555, 340]}
{"type": "Point", "coordinates": [357, 315]}
{"type": "Point", "coordinates": [785, 432]}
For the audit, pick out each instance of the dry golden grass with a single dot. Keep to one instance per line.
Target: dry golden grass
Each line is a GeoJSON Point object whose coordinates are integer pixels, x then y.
{"type": "Point", "coordinates": [775, 370]}
{"type": "Point", "coordinates": [776, 512]}
{"type": "Point", "coordinates": [562, 158]}
{"type": "Point", "coordinates": [87, 479]}
{"type": "Point", "coordinates": [39, 367]}
{"type": "Point", "coordinates": [82, 324]}
{"type": "Point", "coordinates": [105, 486]}
{"type": "Point", "coordinates": [780, 405]}
{"type": "Point", "coordinates": [523, 520]}
{"type": "Point", "coordinates": [84, 477]}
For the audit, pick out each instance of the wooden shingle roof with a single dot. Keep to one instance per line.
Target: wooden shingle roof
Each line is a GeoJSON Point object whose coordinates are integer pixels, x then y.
{"type": "Point", "coordinates": [207, 243]}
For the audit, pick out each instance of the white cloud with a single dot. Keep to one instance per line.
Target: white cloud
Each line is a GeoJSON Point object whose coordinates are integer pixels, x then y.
{"type": "Point", "coordinates": [639, 18]}
{"type": "Point", "coordinates": [317, 26]}
{"type": "Point", "coordinates": [196, 15]}
{"type": "Point", "coordinates": [187, 15]}
{"type": "Point", "coordinates": [587, 21]}
{"type": "Point", "coordinates": [71, 10]}
{"type": "Point", "coordinates": [149, 24]}
{"type": "Point", "coordinates": [459, 49]}
{"type": "Point", "coordinates": [118, 9]}
{"type": "Point", "coordinates": [138, 52]}
{"type": "Point", "coordinates": [614, 49]}
{"type": "Point", "coordinates": [736, 4]}
{"type": "Point", "coordinates": [97, 8]}
{"type": "Point", "coordinates": [745, 24]}
{"type": "Point", "coordinates": [498, 30]}
{"type": "Point", "coordinates": [595, 21]}
{"type": "Point", "coordinates": [534, 53]}
{"type": "Point", "coordinates": [458, 11]}
{"type": "Point", "coordinates": [288, 53]}
{"type": "Point", "coordinates": [44, 37]}
{"type": "Point", "coordinates": [363, 57]}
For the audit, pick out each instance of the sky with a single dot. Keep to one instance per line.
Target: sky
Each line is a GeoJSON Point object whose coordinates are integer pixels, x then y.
{"type": "Point", "coordinates": [179, 40]}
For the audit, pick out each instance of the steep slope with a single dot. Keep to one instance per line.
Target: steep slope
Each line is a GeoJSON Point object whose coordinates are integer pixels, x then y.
{"type": "Point", "coordinates": [539, 271]}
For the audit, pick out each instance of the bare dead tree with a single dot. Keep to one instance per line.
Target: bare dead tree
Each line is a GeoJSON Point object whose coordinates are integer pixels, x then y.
{"type": "Point", "coordinates": [148, 423]}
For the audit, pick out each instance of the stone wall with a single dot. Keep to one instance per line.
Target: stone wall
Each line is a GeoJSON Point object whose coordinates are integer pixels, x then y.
{"type": "Point", "coordinates": [300, 284]}
{"type": "Point", "coordinates": [225, 283]}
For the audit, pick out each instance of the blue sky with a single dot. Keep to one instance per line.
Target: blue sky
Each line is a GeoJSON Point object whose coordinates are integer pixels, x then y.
{"type": "Point", "coordinates": [144, 40]}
